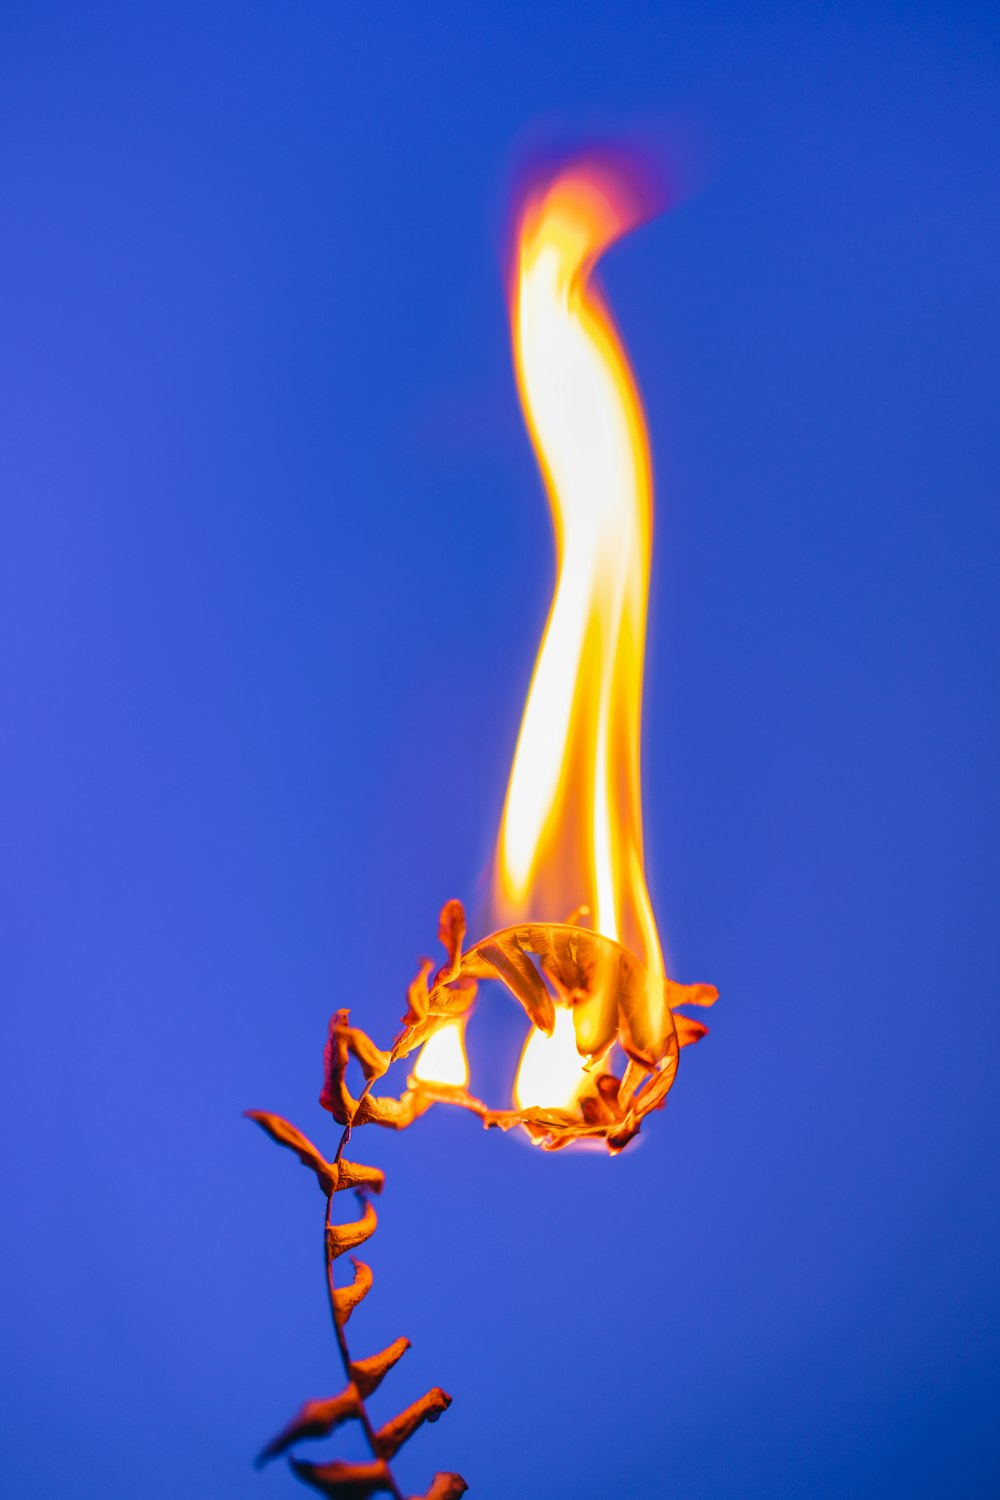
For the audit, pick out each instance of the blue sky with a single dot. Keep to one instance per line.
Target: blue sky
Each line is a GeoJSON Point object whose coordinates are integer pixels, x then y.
{"type": "Point", "coordinates": [275, 557]}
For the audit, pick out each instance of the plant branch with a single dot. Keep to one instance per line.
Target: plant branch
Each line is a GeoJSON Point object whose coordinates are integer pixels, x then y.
{"type": "Point", "coordinates": [338, 1326]}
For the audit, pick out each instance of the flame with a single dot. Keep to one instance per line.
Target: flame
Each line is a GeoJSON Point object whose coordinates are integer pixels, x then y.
{"type": "Point", "coordinates": [443, 1059]}
{"type": "Point", "coordinates": [549, 1073]}
{"type": "Point", "coordinates": [571, 832]}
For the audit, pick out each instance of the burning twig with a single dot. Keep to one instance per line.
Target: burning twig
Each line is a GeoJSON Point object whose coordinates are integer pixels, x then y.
{"type": "Point", "coordinates": [606, 1028]}
{"type": "Point", "coordinates": [542, 965]}
{"type": "Point", "coordinates": [615, 1003]}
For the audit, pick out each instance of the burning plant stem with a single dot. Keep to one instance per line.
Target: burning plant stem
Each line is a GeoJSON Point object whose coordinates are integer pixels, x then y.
{"type": "Point", "coordinates": [607, 991]}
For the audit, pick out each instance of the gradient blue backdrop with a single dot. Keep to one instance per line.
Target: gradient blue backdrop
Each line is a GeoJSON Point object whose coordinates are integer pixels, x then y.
{"type": "Point", "coordinates": [274, 561]}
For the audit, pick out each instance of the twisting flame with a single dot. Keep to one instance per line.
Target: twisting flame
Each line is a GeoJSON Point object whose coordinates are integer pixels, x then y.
{"type": "Point", "coordinates": [571, 832]}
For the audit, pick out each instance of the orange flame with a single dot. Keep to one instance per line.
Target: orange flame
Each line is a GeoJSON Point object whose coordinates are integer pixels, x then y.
{"type": "Point", "coordinates": [571, 833]}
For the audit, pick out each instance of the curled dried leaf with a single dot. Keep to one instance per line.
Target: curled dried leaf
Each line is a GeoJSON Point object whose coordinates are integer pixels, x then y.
{"type": "Point", "coordinates": [416, 994]}
{"type": "Point", "coordinates": [395, 1114]}
{"type": "Point", "coordinates": [286, 1134]}
{"type": "Point", "coordinates": [619, 1137]}
{"type": "Point", "coordinates": [451, 931]}
{"type": "Point", "coordinates": [345, 1481]}
{"type": "Point", "coordinates": [316, 1419]}
{"type": "Point", "coordinates": [372, 1060]}
{"type": "Point", "coordinates": [354, 1175]}
{"type": "Point", "coordinates": [688, 1029]}
{"type": "Point", "coordinates": [343, 1237]}
{"type": "Point", "coordinates": [690, 994]}
{"type": "Point", "coordinates": [507, 958]}
{"type": "Point", "coordinates": [633, 1078]}
{"type": "Point", "coordinates": [343, 1038]}
{"type": "Point", "coordinates": [446, 1001]}
{"type": "Point", "coordinates": [390, 1438]}
{"type": "Point", "coordinates": [573, 958]}
{"type": "Point", "coordinates": [346, 1298]}
{"type": "Point", "coordinates": [369, 1373]}
{"type": "Point", "coordinates": [444, 1487]}
{"type": "Point", "coordinates": [335, 1095]}
{"type": "Point", "coordinates": [452, 999]}
{"type": "Point", "coordinates": [653, 1093]}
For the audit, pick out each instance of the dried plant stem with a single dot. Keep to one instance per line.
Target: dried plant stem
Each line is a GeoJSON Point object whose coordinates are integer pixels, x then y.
{"type": "Point", "coordinates": [353, 1481]}
{"type": "Point", "coordinates": [338, 1327]}
{"type": "Point", "coordinates": [345, 1356]}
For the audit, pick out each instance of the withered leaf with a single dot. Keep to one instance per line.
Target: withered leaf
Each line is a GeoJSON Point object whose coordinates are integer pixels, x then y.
{"type": "Point", "coordinates": [335, 1095]}
{"type": "Point", "coordinates": [372, 1060]}
{"type": "Point", "coordinates": [316, 1419]}
{"type": "Point", "coordinates": [652, 1095]}
{"type": "Point", "coordinates": [286, 1134]}
{"type": "Point", "coordinates": [396, 1114]}
{"type": "Point", "coordinates": [619, 1137]}
{"type": "Point", "coordinates": [369, 1373]}
{"type": "Point", "coordinates": [446, 1001]}
{"type": "Point", "coordinates": [415, 1035]}
{"type": "Point", "coordinates": [645, 1025]}
{"type": "Point", "coordinates": [452, 999]}
{"type": "Point", "coordinates": [451, 931]}
{"type": "Point", "coordinates": [354, 1175]}
{"type": "Point", "coordinates": [390, 1438]}
{"type": "Point", "coordinates": [583, 967]}
{"type": "Point", "coordinates": [505, 955]}
{"type": "Point", "coordinates": [346, 1298]}
{"type": "Point", "coordinates": [343, 1237]}
{"type": "Point", "coordinates": [343, 1038]}
{"type": "Point", "coordinates": [345, 1481]}
{"type": "Point", "coordinates": [690, 994]}
{"type": "Point", "coordinates": [573, 957]}
{"type": "Point", "coordinates": [444, 1487]}
{"type": "Point", "coordinates": [416, 994]}
{"type": "Point", "coordinates": [633, 1078]}
{"type": "Point", "coordinates": [688, 1029]}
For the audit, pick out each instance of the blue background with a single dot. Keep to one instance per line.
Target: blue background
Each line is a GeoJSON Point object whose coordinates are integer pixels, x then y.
{"type": "Point", "coordinates": [273, 562]}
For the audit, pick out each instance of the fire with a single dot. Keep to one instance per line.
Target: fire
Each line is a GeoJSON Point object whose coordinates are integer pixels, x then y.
{"type": "Point", "coordinates": [571, 833]}
{"type": "Point", "coordinates": [443, 1058]}
{"type": "Point", "coordinates": [571, 836]}
{"type": "Point", "coordinates": [549, 1073]}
